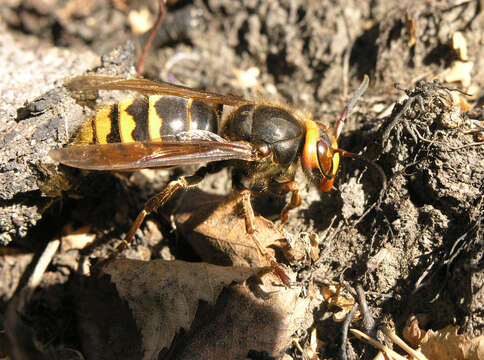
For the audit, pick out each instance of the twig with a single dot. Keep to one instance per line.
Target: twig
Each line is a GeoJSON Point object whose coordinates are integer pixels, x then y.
{"type": "Point", "coordinates": [299, 347]}
{"type": "Point", "coordinates": [344, 332]}
{"type": "Point", "coordinates": [467, 145]}
{"type": "Point", "coordinates": [389, 352]}
{"type": "Point", "coordinates": [20, 336]}
{"type": "Point", "coordinates": [39, 270]}
{"type": "Point", "coordinates": [367, 211]}
{"type": "Point", "coordinates": [397, 117]}
{"type": "Point", "coordinates": [388, 332]}
{"type": "Point", "coordinates": [379, 356]}
{"type": "Point", "coordinates": [154, 30]}
{"type": "Point", "coordinates": [422, 277]}
{"type": "Point", "coordinates": [368, 321]}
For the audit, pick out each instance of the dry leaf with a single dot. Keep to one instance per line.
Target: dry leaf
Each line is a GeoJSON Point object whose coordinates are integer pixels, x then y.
{"type": "Point", "coordinates": [242, 321]}
{"type": "Point", "coordinates": [261, 317]}
{"type": "Point", "coordinates": [446, 344]}
{"type": "Point", "coordinates": [215, 228]}
{"type": "Point", "coordinates": [311, 242]}
{"type": "Point", "coordinates": [452, 118]}
{"type": "Point", "coordinates": [155, 299]}
{"type": "Point", "coordinates": [460, 101]}
{"type": "Point", "coordinates": [335, 299]}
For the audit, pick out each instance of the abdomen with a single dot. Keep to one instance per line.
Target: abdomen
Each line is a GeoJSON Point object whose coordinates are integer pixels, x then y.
{"type": "Point", "coordinates": [147, 119]}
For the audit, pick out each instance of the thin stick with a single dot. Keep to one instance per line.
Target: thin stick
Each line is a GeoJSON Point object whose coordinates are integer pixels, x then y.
{"type": "Point", "coordinates": [416, 354]}
{"type": "Point", "coordinates": [368, 321]}
{"type": "Point", "coordinates": [467, 145]}
{"type": "Point", "coordinates": [344, 332]}
{"type": "Point", "coordinates": [154, 30]}
{"type": "Point", "coordinates": [362, 336]}
{"type": "Point", "coordinates": [39, 270]}
{"type": "Point", "coordinates": [379, 356]}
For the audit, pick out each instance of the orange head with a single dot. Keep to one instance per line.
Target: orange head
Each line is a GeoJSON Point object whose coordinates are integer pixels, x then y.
{"type": "Point", "coordinates": [320, 158]}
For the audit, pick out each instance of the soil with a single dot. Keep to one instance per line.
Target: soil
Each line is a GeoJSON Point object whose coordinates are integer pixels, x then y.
{"type": "Point", "coordinates": [414, 241]}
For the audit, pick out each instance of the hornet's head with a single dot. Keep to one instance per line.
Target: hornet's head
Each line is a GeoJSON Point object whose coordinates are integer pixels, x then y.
{"type": "Point", "coordinates": [320, 157]}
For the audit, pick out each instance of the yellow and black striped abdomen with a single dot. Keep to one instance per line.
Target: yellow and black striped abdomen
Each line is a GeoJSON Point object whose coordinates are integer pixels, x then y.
{"type": "Point", "coordinates": [147, 119]}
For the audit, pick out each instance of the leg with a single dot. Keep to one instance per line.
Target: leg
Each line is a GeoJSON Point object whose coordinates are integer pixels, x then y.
{"type": "Point", "coordinates": [295, 201]}
{"type": "Point", "coordinates": [161, 199]}
{"type": "Point", "coordinates": [250, 228]}
{"type": "Point", "coordinates": [249, 218]}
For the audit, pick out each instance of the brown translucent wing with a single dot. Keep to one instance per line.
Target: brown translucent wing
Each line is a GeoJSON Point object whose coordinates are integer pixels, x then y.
{"type": "Point", "coordinates": [140, 155]}
{"type": "Point", "coordinates": [89, 83]}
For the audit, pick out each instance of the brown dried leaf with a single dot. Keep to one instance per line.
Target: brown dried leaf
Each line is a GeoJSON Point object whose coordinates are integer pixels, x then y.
{"type": "Point", "coordinates": [335, 299]}
{"type": "Point", "coordinates": [460, 101]}
{"type": "Point", "coordinates": [446, 344]}
{"type": "Point", "coordinates": [162, 298]}
{"type": "Point", "coordinates": [215, 228]}
{"type": "Point", "coordinates": [243, 320]}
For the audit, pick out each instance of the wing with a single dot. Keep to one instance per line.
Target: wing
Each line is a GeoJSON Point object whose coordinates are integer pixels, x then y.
{"type": "Point", "coordinates": [90, 83]}
{"type": "Point", "coordinates": [140, 155]}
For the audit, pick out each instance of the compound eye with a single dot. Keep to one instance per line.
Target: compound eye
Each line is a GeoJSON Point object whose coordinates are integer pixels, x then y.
{"type": "Point", "coordinates": [325, 159]}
